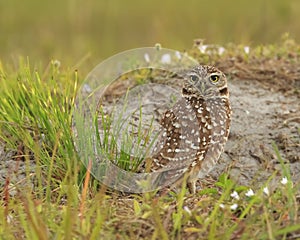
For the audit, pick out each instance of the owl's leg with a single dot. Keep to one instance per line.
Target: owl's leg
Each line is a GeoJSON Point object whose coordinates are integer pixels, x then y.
{"type": "Point", "coordinates": [192, 179]}
{"type": "Point", "coordinates": [191, 185]}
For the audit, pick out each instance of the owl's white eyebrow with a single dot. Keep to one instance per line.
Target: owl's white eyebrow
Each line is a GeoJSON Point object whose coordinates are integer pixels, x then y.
{"type": "Point", "coordinates": [216, 73]}
{"type": "Point", "coordinates": [193, 74]}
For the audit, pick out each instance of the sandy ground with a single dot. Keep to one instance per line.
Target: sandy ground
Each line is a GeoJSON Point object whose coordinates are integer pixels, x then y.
{"type": "Point", "coordinates": [261, 116]}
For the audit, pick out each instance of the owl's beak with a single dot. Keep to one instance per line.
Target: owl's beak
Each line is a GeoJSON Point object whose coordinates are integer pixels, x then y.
{"type": "Point", "coordinates": [201, 87]}
{"type": "Point", "coordinates": [204, 89]}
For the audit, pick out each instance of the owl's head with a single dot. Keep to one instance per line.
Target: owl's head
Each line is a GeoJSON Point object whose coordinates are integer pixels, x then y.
{"type": "Point", "coordinates": [205, 82]}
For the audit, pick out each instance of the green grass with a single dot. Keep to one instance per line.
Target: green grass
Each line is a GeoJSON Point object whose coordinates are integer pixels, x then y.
{"type": "Point", "coordinates": [65, 201]}
{"type": "Point", "coordinates": [36, 116]}
{"type": "Point", "coordinates": [134, 144]}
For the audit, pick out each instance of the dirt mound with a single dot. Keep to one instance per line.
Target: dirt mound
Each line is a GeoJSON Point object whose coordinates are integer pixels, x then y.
{"type": "Point", "coordinates": [261, 117]}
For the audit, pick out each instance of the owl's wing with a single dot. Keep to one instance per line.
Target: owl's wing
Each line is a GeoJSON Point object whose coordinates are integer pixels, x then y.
{"type": "Point", "coordinates": [179, 142]}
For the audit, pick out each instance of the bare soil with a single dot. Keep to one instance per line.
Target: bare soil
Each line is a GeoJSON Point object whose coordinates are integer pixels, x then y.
{"type": "Point", "coordinates": [261, 117]}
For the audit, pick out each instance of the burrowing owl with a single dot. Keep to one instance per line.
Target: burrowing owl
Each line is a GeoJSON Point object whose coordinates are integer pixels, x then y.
{"type": "Point", "coordinates": [195, 129]}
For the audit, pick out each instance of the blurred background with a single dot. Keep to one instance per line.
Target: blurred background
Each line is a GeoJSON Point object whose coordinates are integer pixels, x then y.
{"type": "Point", "coordinates": [73, 30]}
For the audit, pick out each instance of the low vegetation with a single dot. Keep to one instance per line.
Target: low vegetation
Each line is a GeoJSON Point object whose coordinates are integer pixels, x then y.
{"type": "Point", "coordinates": [59, 199]}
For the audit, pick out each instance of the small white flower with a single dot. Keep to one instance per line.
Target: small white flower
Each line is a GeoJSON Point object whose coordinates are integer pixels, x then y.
{"type": "Point", "coordinates": [147, 58]}
{"type": "Point", "coordinates": [166, 58]}
{"type": "Point", "coordinates": [247, 49]}
{"type": "Point", "coordinates": [186, 208]}
{"type": "Point", "coordinates": [222, 205]}
{"type": "Point", "coordinates": [178, 54]}
{"type": "Point", "coordinates": [235, 195]}
{"type": "Point", "coordinates": [9, 218]}
{"type": "Point", "coordinates": [87, 88]}
{"type": "Point", "coordinates": [266, 191]}
{"type": "Point", "coordinates": [56, 63]}
{"type": "Point", "coordinates": [221, 50]}
{"type": "Point", "coordinates": [284, 180]}
{"type": "Point", "coordinates": [158, 46]}
{"type": "Point", "coordinates": [234, 206]}
{"type": "Point", "coordinates": [249, 193]}
{"type": "Point", "coordinates": [202, 48]}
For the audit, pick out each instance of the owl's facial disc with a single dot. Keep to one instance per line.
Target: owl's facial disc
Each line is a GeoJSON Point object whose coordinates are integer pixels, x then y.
{"type": "Point", "coordinates": [202, 86]}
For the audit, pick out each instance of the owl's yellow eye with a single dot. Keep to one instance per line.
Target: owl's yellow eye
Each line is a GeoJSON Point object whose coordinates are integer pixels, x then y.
{"type": "Point", "coordinates": [214, 78]}
{"type": "Point", "coordinates": [194, 78]}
